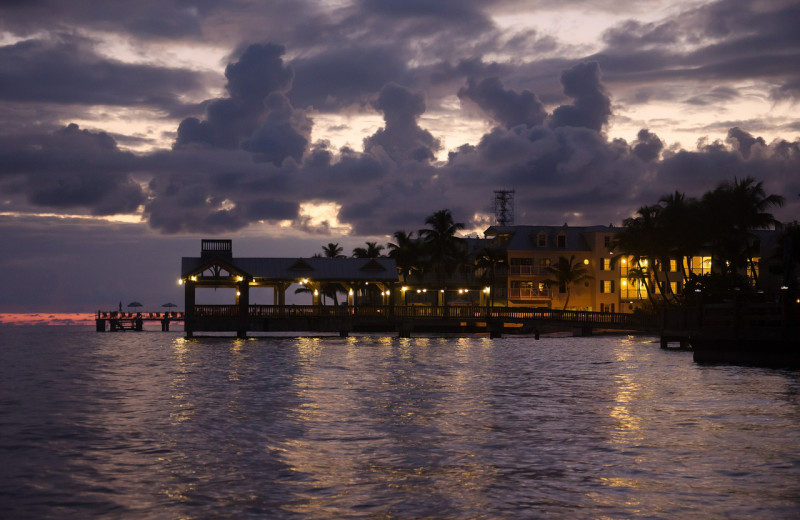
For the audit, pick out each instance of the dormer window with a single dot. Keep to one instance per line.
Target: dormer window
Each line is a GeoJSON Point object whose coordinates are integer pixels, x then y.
{"type": "Point", "coordinates": [561, 241]}
{"type": "Point", "coordinates": [541, 239]}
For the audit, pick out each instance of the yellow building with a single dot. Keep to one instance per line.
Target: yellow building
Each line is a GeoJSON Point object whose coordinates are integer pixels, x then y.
{"type": "Point", "coordinates": [532, 249]}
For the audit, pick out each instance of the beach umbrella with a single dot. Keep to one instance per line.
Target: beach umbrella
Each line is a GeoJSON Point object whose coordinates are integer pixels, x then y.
{"type": "Point", "coordinates": [169, 304]}
{"type": "Point", "coordinates": [134, 304]}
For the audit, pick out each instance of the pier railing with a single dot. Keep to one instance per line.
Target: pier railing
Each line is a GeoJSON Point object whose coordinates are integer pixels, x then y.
{"type": "Point", "coordinates": [114, 315]}
{"type": "Point", "coordinates": [422, 313]}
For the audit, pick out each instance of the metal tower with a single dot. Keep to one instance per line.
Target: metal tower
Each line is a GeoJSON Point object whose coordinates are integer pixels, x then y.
{"type": "Point", "coordinates": [504, 207]}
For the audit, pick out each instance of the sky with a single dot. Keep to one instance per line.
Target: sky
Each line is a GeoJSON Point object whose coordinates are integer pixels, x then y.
{"type": "Point", "coordinates": [132, 130]}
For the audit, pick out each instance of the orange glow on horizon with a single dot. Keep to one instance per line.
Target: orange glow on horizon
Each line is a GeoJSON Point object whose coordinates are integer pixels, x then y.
{"type": "Point", "coordinates": [47, 318]}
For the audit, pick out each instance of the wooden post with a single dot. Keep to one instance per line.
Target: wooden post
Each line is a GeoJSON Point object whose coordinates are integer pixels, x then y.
{"type": "Point", "coordinates": [189, 310]}
{"type": "Point", "coordinates": [243, 297]}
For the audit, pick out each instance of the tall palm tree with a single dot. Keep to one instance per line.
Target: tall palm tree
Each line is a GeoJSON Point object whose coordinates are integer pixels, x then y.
{"type": "Point", "coordinates": [565, 273]}
{"type": "Point", "coordinates": [640, 240]}
{"type": "Point", "coordinates": [680, 226]}
{"type": "Point", "coordinates": [441, 243]}
{"type": "Point", "coordinates": [332, 250]}
{"type": "Point", "coordinates": [487, 262]}
{"type": "Point", "coordinates": [407, 254]}
{"type": "Point", "coordinates": [373, 250]}
{"type": "Point", "coordinates": [733, 210]}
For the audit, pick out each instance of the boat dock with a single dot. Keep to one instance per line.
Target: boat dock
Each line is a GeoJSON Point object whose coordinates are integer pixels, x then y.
{"type": "Point", "coordinates": [114, 321]}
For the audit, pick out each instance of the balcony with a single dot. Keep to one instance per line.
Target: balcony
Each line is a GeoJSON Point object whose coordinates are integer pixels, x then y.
{"type": "Point", "coordinates": [525, 293]}
{"type": "Point", "coordinates": [527, 270]}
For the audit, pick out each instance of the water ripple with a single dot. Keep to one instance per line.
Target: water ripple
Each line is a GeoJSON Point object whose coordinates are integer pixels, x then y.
{"type": "Point", "coordinates": [153, 425]}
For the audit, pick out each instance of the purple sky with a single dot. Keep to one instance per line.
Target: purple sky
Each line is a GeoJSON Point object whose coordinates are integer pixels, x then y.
{"type": "Point", "coordinates": [131, 130]}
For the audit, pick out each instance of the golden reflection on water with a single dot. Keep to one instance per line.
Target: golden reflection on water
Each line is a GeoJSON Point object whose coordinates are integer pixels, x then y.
{"type": "Point", "coordinates": [355, 415]}
{"type": "Point", "coordinates": [183, 410]}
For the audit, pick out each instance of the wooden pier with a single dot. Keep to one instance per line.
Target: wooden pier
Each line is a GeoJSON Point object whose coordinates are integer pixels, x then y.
{"type": "Point", "coordinates": [405, 320]}
{"type": "Point", "coordinates": [114, 321]}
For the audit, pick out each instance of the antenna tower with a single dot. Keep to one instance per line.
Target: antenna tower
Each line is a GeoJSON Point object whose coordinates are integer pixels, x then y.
{"type": "Point", "coordinates": [504, 207]}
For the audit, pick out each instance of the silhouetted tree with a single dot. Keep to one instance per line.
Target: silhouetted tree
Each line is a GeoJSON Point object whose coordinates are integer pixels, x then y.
{"type": "Point", "coordinates": [407, 253]}
{"type": "Point", "coordinates": [487, 262]}
{"type": "Point", "coordinates": [442, 246]}
{"type": "Point", "coordinates": [373, 250]}
{"type": "Point", "coordinates": [565, 273]}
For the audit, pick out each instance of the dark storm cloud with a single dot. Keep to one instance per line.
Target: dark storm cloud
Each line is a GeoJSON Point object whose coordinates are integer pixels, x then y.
{"type": "Point", "coordinates": [257, 74]}
{"type": "Point", "coordinates": [700, 170]}
{"type": "Point", "coordinates": [591, 106]}
{"type": "Point", "coordinates": [338, 78]}
{"type": "Point", "coordinates": [250, 157]}
{"type": "Point", "coordinates": [284, 133]}
{"type": "Point", "coordinates": [69, 71]}
{"type": "Point", "coordinates": [726, 40]}
{"type": "Point", "coordinates": [70, 169]}
{"type": "Point", "coordinates": [507, 107]}
{"type": "Point", "coordinates": [402, 138]}
{"type": "Point", "coordinates": [744, 141]}
{"type": "Point", "coordinates": [647, 146]}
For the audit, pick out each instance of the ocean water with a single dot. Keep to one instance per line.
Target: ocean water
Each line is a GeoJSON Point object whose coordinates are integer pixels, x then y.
{"type": "Point", "coordinates": [152, 425]}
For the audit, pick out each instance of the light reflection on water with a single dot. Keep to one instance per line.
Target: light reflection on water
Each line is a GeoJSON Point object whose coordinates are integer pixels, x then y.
{"type": "Point", "coordinates": [152, 425]}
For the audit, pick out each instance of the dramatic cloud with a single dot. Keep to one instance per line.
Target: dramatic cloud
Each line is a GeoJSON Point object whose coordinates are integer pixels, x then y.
{"type": "Point", "coordinates": [70, 169]}
{"type": "Point", "coordinates": [358, 118]}
{"type": "Point", "coordinates": [402, 138]}
{"type": "Point", "coordinates": [259, 72]}
{"type": "Point", "coordinates": [505, 106]}
{"type": "Point", "coordinates": [591, 106]}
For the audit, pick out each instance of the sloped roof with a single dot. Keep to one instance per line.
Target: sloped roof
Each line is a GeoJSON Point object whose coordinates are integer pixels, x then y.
{"type": "Point", "coordinates": [315, 268]}
{"type": "Point", "coordinates": [524, 238]}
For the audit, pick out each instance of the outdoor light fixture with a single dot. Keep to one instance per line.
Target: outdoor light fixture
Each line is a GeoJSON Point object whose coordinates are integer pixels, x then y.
{"type": "Point", "coordinates": [585, 261]}
{"type": "Point", "coordinates": [316, 292]}
{"type": "Point", "coordinates": [351, 292]}
{"type": "Point", "coordinates": [404, 288]}
{"type": "Point", "coordinates": [238, 293]}
{"type": "Point", "coordinates": [180, 281]}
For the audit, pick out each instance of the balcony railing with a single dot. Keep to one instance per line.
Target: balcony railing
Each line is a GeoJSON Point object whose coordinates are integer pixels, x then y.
{"type": "Point", "coordinates": [527, 270]}
{"type": "Point", "coordinates": [519, 293]}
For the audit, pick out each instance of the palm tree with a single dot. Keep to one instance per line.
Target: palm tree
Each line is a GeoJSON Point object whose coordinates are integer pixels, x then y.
{"type": "Point", "coordinates": [565, 273]}
{"type": "Point", "coordinates": [373, 250]}
{"type": "Point", "coordinates": [733, 210]}
{"type": "Point", "coordinates": [333, 250]}
{"type": "Point", "coordinates": [441, 243]}
{"type": "Point", "coordinates": [488, 260]}
{"type": "Point", "coordinates": [680, 227]}
{"type": "Point", "coordinates": [407, 254]}
{"type": "Point", "coordinates": [640, 240]}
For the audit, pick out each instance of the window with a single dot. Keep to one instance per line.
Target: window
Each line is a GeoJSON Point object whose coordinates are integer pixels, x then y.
{"type": "Point", "coordinates": [607, 286]}
{"type": "Point", "coordinates": [544, 263]}
{"type": "Point", "coordinates": [606, 241]}
{"type": "Point", "coordinates": [521, 266]}
{"type": "Point", "coordinates": [605, 264]}
{"type": "Point", "coordinates": [673, 266]}
{"type": "Point", "coordinates": [541, 239]}
{"type": "Point", "coordinates": [562, 241]}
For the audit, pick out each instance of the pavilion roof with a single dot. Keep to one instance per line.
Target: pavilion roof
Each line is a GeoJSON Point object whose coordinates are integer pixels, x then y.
{"type": "Point", "coordinates": [290, 269]}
